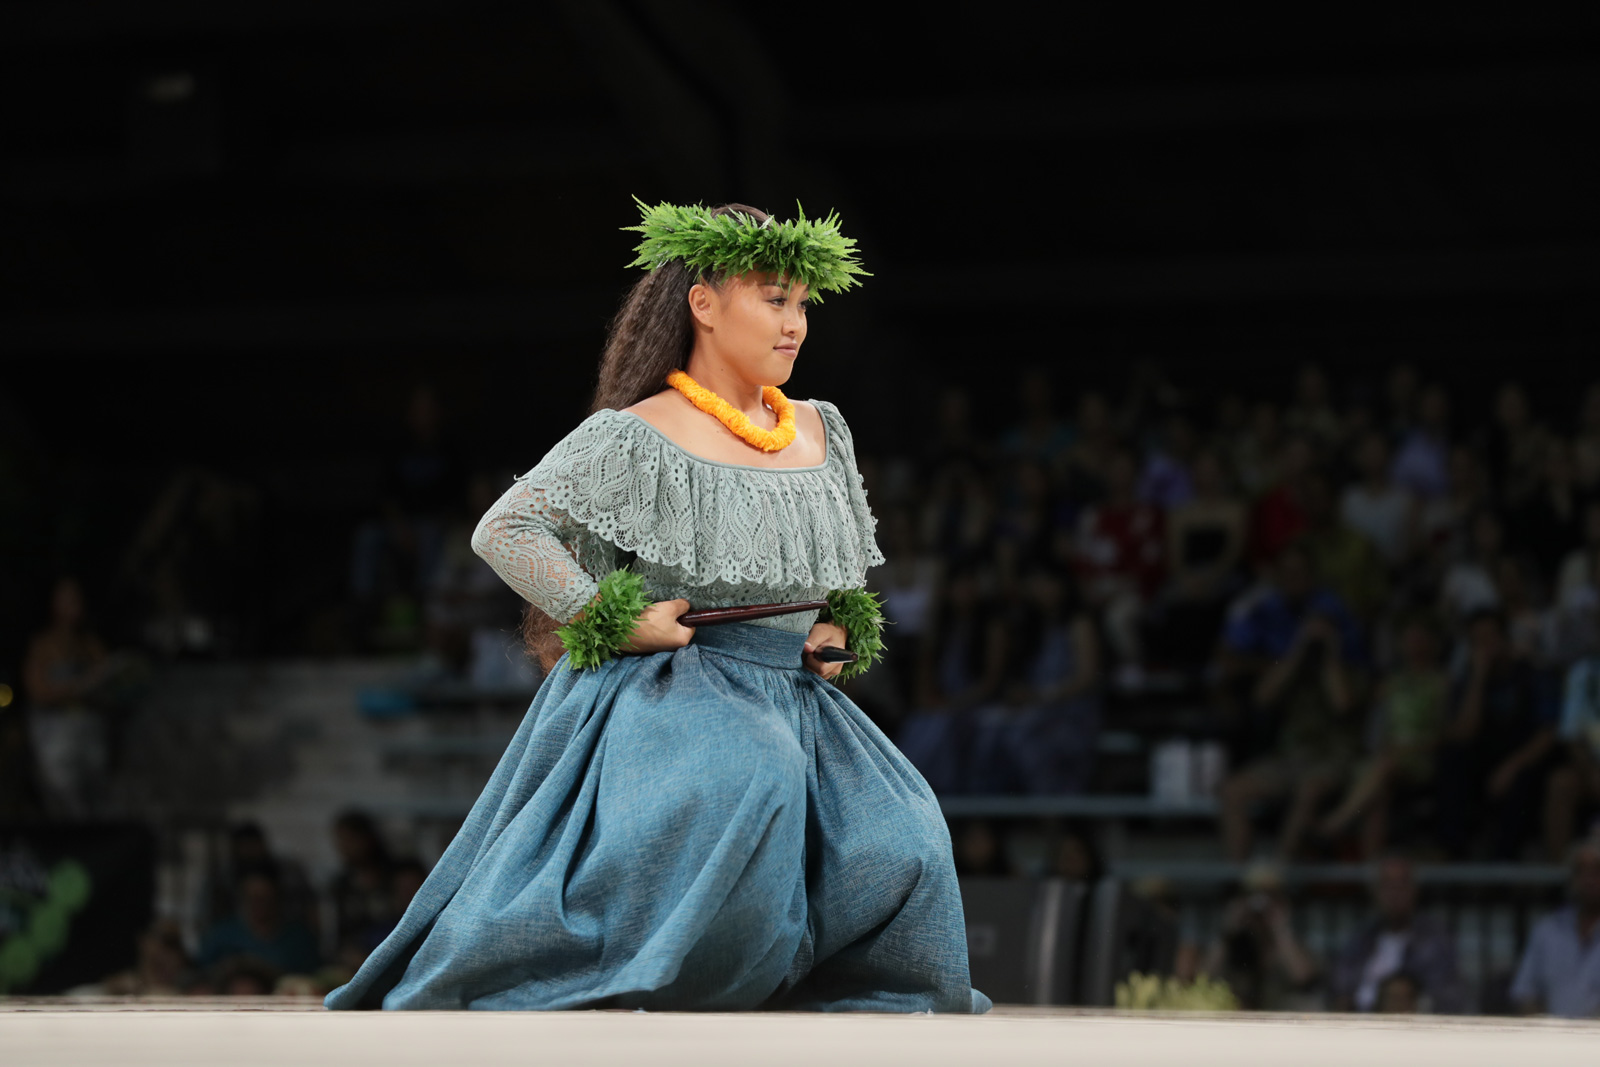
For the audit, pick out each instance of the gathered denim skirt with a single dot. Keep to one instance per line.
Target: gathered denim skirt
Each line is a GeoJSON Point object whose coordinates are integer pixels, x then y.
{"type": "Point", "coordinates": [714, 828]}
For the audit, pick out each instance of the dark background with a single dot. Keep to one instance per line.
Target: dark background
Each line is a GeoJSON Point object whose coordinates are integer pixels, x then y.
{"type": "Point", "coordinates": [235, 237]}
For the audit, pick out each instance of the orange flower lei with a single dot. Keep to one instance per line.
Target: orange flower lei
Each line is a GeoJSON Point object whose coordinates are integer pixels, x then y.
{"type": "Point", "coordinates": [767, 440]}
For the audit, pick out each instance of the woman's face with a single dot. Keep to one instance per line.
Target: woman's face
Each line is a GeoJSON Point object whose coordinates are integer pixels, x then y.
{"type": "Point", "coordinates": [752, 324]}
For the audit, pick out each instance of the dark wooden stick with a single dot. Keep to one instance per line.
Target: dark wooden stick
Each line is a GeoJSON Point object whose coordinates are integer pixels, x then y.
{"type": "Point", "coordinates": [744, 613]}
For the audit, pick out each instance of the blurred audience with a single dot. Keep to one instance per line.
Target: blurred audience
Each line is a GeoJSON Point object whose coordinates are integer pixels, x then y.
{"type": "Point", "coordinates": [1573, 789]}
{"type": "Point", "coordinates": [396, 555]}
{"type": "Point", "coordinates": [193, 565]}
{"type": "Point", "coordinates": [163, 968]}
{"type": "Point", "coordinates": [1398, 943]}
{"type": "Point", "coordinates": [1409, 722]}
{"type": "Point", "coordinates": [1560, 969]}
{"type": "Point", "coordinates": [1256, 951]}
{"type": "Point", "coordinates": [260, 933]}
{"type": "Point", "coordinates": [1300, 653]}
{"type": "Point", "coordinates": [363, 891]}
{"type": "Point", "coordinates": [66, 673]}
{"type": "Point", "coordinates": [1391, 615]}
{"type": "Point", "coordinates": [1498, 745]}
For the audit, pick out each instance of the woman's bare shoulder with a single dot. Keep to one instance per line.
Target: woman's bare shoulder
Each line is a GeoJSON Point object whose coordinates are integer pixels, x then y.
{"type": "Point", "coordinates": [808, 418]}
{"type": "Point", "coordinates": [663, 410]}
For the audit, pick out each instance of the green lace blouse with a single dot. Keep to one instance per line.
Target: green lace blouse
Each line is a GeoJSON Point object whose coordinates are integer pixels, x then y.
{"type": "Point", "coordinates": [618, 492]}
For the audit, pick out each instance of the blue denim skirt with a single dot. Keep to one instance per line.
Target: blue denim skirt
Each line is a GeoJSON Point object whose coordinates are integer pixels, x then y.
{"type": "Point", "coordinates": [714, 828]}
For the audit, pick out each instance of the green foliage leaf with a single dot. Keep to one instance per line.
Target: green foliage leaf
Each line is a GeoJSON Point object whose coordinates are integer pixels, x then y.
{"type": "Point", "coordinates": [607, 622]}
{"type": "Point", "coordinates": [861, 615]}
{"type": "Point", "coordinates": [1149, 992]}
{"type": "Point", "coordinates": [808, 251]}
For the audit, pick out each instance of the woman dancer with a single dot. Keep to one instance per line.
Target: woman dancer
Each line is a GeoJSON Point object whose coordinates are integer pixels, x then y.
{"type": "Point", "coordinates": [694, 818]}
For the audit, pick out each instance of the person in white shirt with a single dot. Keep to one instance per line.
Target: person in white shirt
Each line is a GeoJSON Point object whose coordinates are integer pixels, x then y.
{"type": "Point", "coordinates": [1385, 512]}
{"type": "Point", "coordinates": [1560, 970]}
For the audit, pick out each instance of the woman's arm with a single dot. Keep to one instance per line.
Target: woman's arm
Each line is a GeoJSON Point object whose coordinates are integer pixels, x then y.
{"type": "Point", "coordinates": [525, 538]}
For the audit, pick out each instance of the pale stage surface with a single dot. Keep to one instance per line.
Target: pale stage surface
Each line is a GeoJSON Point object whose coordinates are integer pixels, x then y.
{"type": "Point", "coordinates": [220, 1034]}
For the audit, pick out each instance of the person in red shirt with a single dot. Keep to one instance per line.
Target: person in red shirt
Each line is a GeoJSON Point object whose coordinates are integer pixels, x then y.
{"type": "Point", "coordinates": [1121, 560]}
{"type": "Point", "coordinates": [1279, 515]}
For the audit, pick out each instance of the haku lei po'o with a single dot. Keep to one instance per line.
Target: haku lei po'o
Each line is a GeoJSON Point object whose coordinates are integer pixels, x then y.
{"type": "Point", "coordinates": [804, 251]}
{"type": "Point", "coordinates": [780, 437]}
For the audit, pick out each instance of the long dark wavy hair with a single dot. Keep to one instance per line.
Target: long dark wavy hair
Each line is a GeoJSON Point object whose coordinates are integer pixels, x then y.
{"type": "Point", "coordinates": [650, 337]}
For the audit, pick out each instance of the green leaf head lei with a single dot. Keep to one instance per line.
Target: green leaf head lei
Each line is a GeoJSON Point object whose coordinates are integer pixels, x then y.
{"type": "Point", "coordinates": [804, 251]}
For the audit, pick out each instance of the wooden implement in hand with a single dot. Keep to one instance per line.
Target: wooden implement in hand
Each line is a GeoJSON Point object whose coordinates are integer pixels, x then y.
{"type": "Point", "coordinates": [746, 612]}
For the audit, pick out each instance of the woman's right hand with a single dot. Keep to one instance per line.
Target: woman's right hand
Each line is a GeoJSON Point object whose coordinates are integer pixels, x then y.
{"type": "Point", "coordinates": [658, 629]}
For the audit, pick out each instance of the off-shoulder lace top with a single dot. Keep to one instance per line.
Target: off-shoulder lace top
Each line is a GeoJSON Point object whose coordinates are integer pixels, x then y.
{"type": "Point", "coordinates": [618, 492]}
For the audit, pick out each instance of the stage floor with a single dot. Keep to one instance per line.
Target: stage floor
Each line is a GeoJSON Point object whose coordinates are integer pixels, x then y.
{"type": "Point", "coordinates": [225, 1033]}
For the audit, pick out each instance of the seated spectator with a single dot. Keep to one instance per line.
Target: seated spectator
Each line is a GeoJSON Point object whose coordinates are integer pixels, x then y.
{"type": "Point", "coordinates": [1121, 561]}
{"type": "Point", "coordinates": [1256, 951]}
{"type": "Point", "coordinates": [1498, 745]}
{"type": "Point", "coordinates": [260, 931]}
{"type": "Point", "coordinates": [1342, 557]}
{"type": "Point", "coordinates": [1041, 435]}
{"type": "Point", "coordinates": [1074, 856]}
{"type": "Point", "coordinates": [1167, 480]}
{"type": "Point", "coordinates": [1312, 415]}
{"type": "Point", "coordinates": [1397, 941]}
{"type": "Point", "coordinates": [1515, 445]}
{"type": "Point", "coordinates": [978, 848]}
{"type": "Point", "coordinates": [1278, 516]}
{"type": "Point", "coordinates": [362, 895]}
{"type": "Point", "coordinates": [406, 877]}
{"type": "Point", "coordinates": [1549, 523]}
{"type": "Point", "coordinates": [1083, 470]}
{"type": "Point", "coordinates": [469, 610]}
{"type": "Point", "coordinates": [1025, 522]}
{"type": "Point", "coordinates": [249, 850]}
{"type": "Point", "coordinates": [163, 967]}
{"type": "Point", "coordinates": [1303, 651]}
{"type": "Point", "coordinates": [395, 555]}
{"type": "Point", "coordinates": [1445, 521]}
{"type": "Point", "coordinates": [1468, 585]}
{"type": "Point", "coordinates": [1574, 787]}
{"type": "Point", "coordinates": [1577, 564]}
{"type": "Point", "coordinates": [1205, 547]}
{"type": "Point", "coordinates": [959, 665]}
{"type": "Point", "coordinates": [1376, 506]}
{"type": "Point", "coordinates": [1410, 707]}
{"type": "Point", "coordinates": [1040, 738]}
{"type": "Point", "coordinates": [909, 582]}
{"type": "Point", "coordinates": [1421, 465]}
{"type": "Point", "coordinates": [1257, 451]}
{"type": "Point", "coordinates": [190, 565]}
{"type": "Point", "coordinates": [65, 670]}
{"type": "Point", "coordinates": [1560, 969]}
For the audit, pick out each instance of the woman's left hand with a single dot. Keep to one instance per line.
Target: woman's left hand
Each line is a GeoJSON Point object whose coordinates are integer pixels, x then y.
{"type": "Point", "coordinates": [822, 635]}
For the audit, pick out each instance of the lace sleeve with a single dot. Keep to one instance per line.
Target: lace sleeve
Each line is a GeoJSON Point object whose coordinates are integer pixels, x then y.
{"type": "Point", "coordinates": [540, 552]}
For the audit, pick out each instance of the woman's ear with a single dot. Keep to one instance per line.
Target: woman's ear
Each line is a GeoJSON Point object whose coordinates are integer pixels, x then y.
{"type": "Point", "coordinates": [702, 304]}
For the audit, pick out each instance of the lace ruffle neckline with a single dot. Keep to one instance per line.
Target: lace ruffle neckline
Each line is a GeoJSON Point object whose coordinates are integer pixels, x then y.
{"type": "Point", "coordinates": [626, 482]}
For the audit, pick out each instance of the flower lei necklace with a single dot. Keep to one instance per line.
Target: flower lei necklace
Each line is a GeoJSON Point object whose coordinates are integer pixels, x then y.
{"type": "Point", "coordinates": [712, 404]}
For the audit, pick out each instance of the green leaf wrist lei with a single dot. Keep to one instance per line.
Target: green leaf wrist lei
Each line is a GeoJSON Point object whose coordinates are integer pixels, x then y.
{"type": "Point", "coordinates": [607, 622]}
{"type": "Point", "coordinates": [861, 615]}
